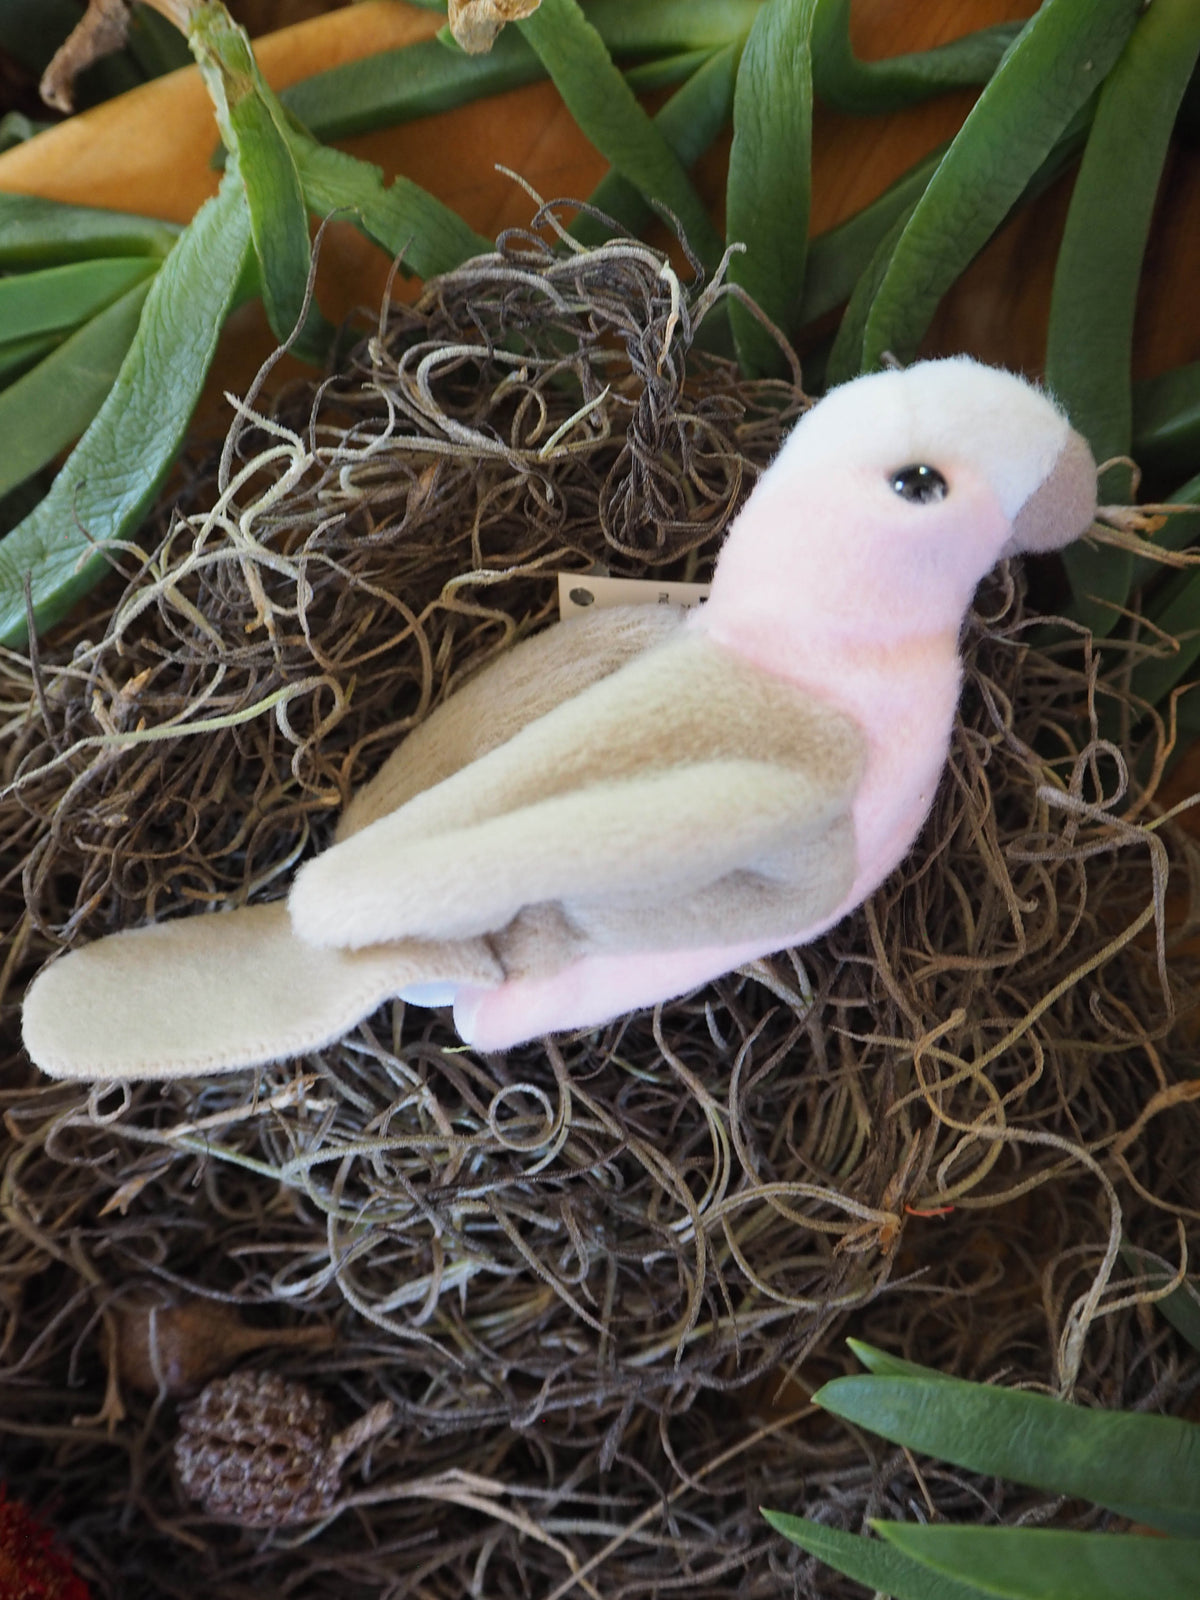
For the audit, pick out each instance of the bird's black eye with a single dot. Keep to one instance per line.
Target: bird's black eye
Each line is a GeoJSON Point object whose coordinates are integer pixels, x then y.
{"type": "Point", "coordinates": [920, 484]}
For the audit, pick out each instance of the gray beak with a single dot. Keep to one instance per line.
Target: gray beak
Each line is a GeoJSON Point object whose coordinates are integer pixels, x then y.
{"type": "Point", "coordinates": [1062, 506]}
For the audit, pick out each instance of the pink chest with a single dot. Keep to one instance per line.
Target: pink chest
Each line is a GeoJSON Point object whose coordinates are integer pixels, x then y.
{"type": "Point", "coordinates": [908, 720]}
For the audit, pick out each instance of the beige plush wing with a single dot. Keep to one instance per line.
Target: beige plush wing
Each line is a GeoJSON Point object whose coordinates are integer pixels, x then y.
{"type": "Point", "coordinates": [516, 689]}
{"type": "Point", "coordinates": [688, 796]}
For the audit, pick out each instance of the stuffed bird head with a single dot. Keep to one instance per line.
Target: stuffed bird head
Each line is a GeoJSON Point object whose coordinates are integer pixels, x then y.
{"type": "Point", "coordinates": [897, 492]}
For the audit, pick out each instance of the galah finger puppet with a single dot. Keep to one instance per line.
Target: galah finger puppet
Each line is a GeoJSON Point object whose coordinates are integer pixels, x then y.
{"type": "Point", "coordinates": [639, 800]}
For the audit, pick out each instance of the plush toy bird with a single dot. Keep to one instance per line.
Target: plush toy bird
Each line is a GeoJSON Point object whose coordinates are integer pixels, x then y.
{"type": "Point", "coordinates": [639, 800]}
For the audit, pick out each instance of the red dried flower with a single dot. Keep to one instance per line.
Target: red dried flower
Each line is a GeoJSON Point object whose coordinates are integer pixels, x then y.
{"type": "Point", "coordinates": [30, 1567]}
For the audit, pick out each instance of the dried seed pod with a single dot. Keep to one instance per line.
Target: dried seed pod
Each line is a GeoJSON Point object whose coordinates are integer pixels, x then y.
{"type": "Point", "coordinates": [475, 23]}
{"type": "Point", "coordinates": [261, 1451]}
{"type": "Point", "coordinates": [176, 1349]}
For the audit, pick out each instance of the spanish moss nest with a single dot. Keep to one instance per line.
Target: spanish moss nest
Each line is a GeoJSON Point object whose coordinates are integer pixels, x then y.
{"type": "Point", "coordinates": [596, 1278]}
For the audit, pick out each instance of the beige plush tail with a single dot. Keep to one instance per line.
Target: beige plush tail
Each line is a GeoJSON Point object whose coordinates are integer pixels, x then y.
{"type": "Point", "coordinates": [215, 993]}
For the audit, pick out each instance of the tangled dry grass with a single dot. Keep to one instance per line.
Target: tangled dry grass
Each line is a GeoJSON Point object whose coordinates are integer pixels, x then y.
{"type": "Point", "coordinates": [597, 1278]}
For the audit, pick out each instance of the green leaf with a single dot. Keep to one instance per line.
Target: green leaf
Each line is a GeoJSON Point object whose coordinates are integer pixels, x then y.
{"type": "Point", "coordinates": [633, 28]}
{"type": "Point", "coordinates": [18, 354]}
{"type": "Point", "coordinates": [848, 84]}
{"type": "Point", "coordinates": [16, 128]}
{"type": "Point", "coordinates": [1043, 82]}
{"type": "Point", "coordinates": [1166, 421]}
{"type": "Point", "coordinates": [61, 297]}
{"type": "Point", "coordinates": [155, 44]}
{"type": "Point", "coordinates": [610, 116]}
{"type": "Point", "coordinates": [414, 81]}
{"type": "Point", "coordinates": [690, 121]}
{"type": "Point", "coordinates": [768, 191]}
{"type": "Point", "coordinates": [885, 1365]}
{"type": "Point", "coordinates": [37, 233]}
{"type": "Point", "coordinates": [42, 412]}
{"type": "Point", "coordinates": [402, 219]}
{"type": "Point", "coordinates": [1175, 612]}
{"type": "Point", "coordinates": [1182, 1310]}
{"type": "Point", "coordinates": [845, 359]}
{"type": "Point", "coordinates": [254, 124]}
{"type": "Point", "coordinates": [871, 1562]}
{"type": "Point", "coordinates": [1054, 1564]}
{"type": "Point", "coordinates": [113, 473]}
{"type": "Point", "coordinates": [420, 79]}
{"type": "Point", "coordinates": [1174, 604]}
{"type": "Point", "coordinates": [861, 248]}
{"type": "Point", "coordinates": [838, 259]}
{"type": "Point", "coordinates": [19, 502]}
{"type": "Point", "coordinates": [1145, 1467]}
{"type": "Point", "coordinates": [1089, 346]}
{"type": "Point", "coordinates": [289, 172]}
{"type": "Point", "coordinates": [1182, 1306]}
{"type": "Point", "coordinates": [667, 71]}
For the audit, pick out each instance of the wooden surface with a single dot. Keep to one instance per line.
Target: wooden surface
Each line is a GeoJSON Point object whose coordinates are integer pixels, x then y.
{"type": "Point", "coordinates": [150, 152]}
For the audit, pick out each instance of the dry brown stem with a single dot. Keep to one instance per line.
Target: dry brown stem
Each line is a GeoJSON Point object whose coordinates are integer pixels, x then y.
{"type": "Point", "coordinates": [102, 30]}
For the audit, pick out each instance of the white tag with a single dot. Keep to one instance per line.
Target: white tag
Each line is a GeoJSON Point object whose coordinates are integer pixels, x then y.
{"type": "Point", "coordinates": [580, 592]}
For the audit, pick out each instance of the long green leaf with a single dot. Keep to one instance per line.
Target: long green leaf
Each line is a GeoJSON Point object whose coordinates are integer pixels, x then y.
{"type": "Point", "coordinates": [42, 412]}
{"type": "Point", "coordinates": [667, 71]}
{"type": "Point", "coordinates": [254, 124]}
{"type": "Point", "coordinates": [155, 44]}
{"type": "Point", "coordinates": [864, 87]}
{"type": "Point", "coordinates": [112, 475]}
{"type": "Point", "coordinates": [1043, 82]}
{"type": "Point", "coordinates": [871, 1561]}
{"type": "Point", "coordinates": [770, 176]}
{"type": "Point", "coordinates": [852, 259]}
{"type": "Point", "coordinates": [18, 354]}
{"type": "Point", "coordinates": [1175, 612]}
{"type": "Point", "coordinates": [413, 81]}
{"type": "Point", "coordinates": [690, 121]}
{"type": "Point", "coordinates": [1174, 605]}
{"type": "Point", "coordinates": [1182, 1310]}
{"type": "Point", "coordinates": [633, 28]}
{"type": "Point", "coordinates": [885, 1365]}
{"type": "Point", "coordinates": [1181, 1307]}
{"type": "Point", "coordinates": [610, 116]}
{"type": "Point", "coordinates": [16, 128]}
{"type": "Point", "coordinates": [837, 259]}
{"type": "Point", "coordinates": [1166, 422]}
{"type": "Point", "coordinates": [1053, 1564]}
{"type": "Point", "coordinates": [1089, 345]}
{"type": "Point", "coordinates": [38, 233]}
{"type": "Point", "coordinates": [1145, 1467]}
{"type": "Point", "coordinates": [420, 79]}
{"type": "Point", "coordinates": [402, 218]}
{"type": "Point", "coordinates": [846, 357]}
{"type": "Point", "coordinates": [62, 297]}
